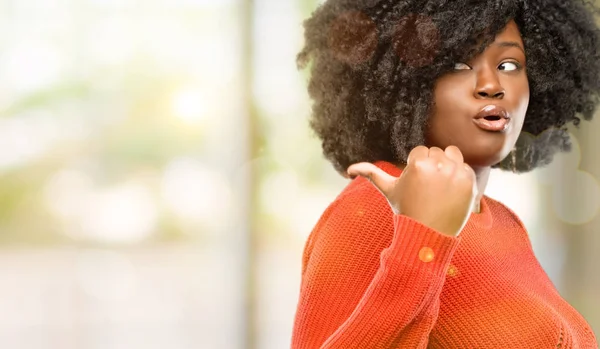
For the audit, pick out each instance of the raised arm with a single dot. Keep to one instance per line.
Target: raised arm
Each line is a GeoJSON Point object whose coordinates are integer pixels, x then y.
{"type": "Point", "coordinates": [371, 279]}
{"type": "Point", "coordinates": [372, 275]}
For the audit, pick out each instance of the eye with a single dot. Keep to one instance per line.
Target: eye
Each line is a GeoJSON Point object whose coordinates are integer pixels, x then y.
{"type": "Point", "coordinates": [509, 66]}
{"type": "Point", "coordinates": [461, 66]}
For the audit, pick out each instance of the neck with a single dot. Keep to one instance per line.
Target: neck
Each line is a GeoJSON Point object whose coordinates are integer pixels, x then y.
{"type": "Point", "coordinates": [482, 174]}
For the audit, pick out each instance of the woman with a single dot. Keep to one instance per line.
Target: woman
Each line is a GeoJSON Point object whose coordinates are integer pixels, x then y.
{"type": "Point", "coordinates": [419, 100]}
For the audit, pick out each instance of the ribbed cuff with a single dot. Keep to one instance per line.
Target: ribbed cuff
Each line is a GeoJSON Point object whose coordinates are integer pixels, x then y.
{"type": "Point", "coordinates": [418, 245]}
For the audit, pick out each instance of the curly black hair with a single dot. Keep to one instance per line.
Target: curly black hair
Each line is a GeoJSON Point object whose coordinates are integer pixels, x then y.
{"type": "Point", "coordinates": [374, 64]}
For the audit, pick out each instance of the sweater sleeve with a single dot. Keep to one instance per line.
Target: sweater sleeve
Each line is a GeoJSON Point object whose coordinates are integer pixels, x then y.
{"type": "Point", "coordinates": [370, 279]}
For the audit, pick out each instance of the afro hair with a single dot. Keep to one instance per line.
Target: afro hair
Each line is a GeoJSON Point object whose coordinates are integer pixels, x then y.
{"type": "Point", "coordinates": [374, 64]}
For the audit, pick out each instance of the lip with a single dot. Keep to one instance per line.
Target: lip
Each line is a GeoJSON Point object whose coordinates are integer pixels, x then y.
{"type": "Point", "coordinates": [499, 125]}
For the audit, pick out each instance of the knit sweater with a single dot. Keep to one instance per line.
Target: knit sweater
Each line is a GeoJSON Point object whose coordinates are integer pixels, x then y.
{"type": "Point", "coordinates": [372, 279]}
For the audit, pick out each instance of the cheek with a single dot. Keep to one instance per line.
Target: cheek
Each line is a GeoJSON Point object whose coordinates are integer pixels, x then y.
{"type": "Point", "coordinates": [451, 101]}
{"type": "Point", "coordinates": [522, 102]}
{"type": "Point", "coordinates": [526, 96]}
{"type": "Point", "coordinates": [446, 95]}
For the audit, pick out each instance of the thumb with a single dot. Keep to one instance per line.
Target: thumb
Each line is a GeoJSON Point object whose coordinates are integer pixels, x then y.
{"type": "Point", "coordinates": [380, 179]}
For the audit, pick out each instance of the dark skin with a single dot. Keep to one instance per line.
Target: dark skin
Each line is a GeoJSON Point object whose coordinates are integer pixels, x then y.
{"type": "Point", "coordinates": [456, 161]}
{"type": "Point", "coordinates": [497, 76]}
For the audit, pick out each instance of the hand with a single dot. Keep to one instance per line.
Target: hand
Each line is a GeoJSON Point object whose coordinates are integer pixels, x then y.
{"type": "Point", "coordinates": [435, 188]}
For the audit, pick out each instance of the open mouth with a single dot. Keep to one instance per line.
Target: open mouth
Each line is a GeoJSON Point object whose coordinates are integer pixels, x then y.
{"type": "Point", "coordinates": [492, 117]}
{"type": "Point", "coordinates": [492, 123]}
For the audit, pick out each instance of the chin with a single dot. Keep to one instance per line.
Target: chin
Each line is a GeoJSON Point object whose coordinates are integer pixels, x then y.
{"type": "Point", "coordinates": [488, 151]}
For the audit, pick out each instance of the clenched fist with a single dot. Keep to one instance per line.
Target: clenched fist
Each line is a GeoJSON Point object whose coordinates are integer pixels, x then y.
{"type": "Point", "coordinates": [435, 188]}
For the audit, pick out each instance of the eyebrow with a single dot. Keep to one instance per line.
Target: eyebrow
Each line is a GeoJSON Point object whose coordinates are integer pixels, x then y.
{"type": "Point", "coordinates": [510, 44]}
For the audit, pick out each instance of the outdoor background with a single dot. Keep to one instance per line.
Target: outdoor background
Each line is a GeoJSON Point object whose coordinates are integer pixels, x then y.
{"type": "Point", "coordinates": [158, 179]}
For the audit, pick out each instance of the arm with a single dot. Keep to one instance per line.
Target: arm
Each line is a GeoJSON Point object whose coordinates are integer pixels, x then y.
{"type": "Point", "coordinates": [364, 284]}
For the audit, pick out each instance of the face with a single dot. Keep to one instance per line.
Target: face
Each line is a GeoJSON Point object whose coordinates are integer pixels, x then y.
{"type": "Point", "coordinates": [495, 82]}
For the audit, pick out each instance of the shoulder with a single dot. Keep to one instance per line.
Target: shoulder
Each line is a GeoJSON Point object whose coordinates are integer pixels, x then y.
{"type": "Point", "coordinates": [361, 201]}
{"type": "Point", "coordinates": [359, 220]}
{"type": "Point", "coordinates": [503, 212]}
{"type": "Point", "coordinates": [360, 198]}
{"type": "Point", "coordinates": [359, 207]}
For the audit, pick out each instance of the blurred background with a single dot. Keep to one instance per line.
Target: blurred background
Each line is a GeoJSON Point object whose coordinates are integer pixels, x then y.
{"type": "Point", "coordinates": [158, 178]}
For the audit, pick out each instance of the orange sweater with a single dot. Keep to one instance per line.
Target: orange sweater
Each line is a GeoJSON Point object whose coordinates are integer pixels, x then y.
{"type": "Point", "coordinates": [374, 280]}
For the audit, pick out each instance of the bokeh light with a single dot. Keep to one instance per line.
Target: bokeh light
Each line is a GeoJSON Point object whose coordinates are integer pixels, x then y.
{"type": "Point", "coordinates": [125, 213]}
{"type": "Point", "coordinates": [21, 66]}
{"type": "Point", "coordinates": [576, 200]}
{"type": "Point", "coordinates": [191, 105]}
{"type": "Point", "coordinates": [575, 193]}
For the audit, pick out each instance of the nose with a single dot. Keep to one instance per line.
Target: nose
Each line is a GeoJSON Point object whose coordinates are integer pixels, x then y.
{"type": "Point", "coordinates": [488, 85]}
